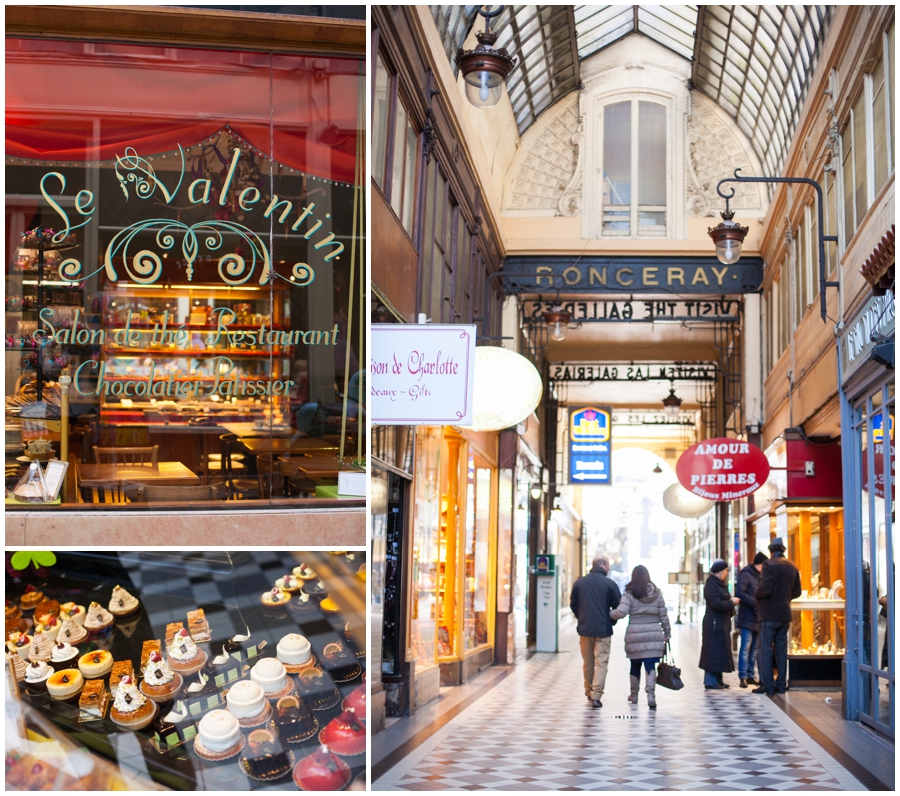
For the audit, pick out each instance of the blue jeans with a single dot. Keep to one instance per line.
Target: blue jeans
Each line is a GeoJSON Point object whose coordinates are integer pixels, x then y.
{"type": "Point", "coordinates": [712, 678]}
{"type": "Point", "coordinates": [747, 655]}
{"type": "Point", "coordinates": [773, 645]}
{"type": "Point", "coordinates": [649, 665]}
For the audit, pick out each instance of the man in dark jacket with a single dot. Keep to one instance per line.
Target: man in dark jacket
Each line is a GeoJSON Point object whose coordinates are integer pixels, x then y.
{"type": "Point", "coordinates": [747, 621]}
{"type": "Point", "coordinates": [593, 597]}
{"type": "Point", "coordinates": [779, 583]}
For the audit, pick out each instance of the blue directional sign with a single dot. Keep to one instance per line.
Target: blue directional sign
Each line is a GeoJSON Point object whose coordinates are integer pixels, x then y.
{"type": "Point", "coordinates": [590, 444]}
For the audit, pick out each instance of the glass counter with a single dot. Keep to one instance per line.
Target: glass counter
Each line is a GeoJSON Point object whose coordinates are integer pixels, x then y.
{"type": "Point", "coordinates": [234, 632]}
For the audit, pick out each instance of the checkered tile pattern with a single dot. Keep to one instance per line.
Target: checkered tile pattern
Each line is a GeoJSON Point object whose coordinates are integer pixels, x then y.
{"type": "Point", "coordinates": [535, 731]}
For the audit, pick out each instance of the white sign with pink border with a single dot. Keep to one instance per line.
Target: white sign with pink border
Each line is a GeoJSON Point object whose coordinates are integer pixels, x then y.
{"type": "Point", "coordinates": [422, 374]}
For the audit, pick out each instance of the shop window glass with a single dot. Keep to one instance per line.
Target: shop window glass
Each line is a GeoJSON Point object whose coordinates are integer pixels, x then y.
{"type": "Point", "coordinates": [449, 570]}
{"type": "Point", "coordinates": [865, 547]}
{"type": "Point", "coordinates": [426, 530]}
{"type": "Point", "coordinates": [404, 168]}
{"type": "Point", "coordinates": [848, 180]}
{"type": "Point", "coordinates": [634, 189]}
{"type": "Point", "coordinates": [380, 119]}
{"type": "Point", "coordinates": [880, 124]}
{"type": "Point", "coordinates": [378, 502]}
{"type": "Point", "coordinates": [505, 574]}
{"type": "Point", "coordinates": [478, 513]}
{"type": "Point", "coordinates": [617, 169]}
{"type": "Point", "coordinates": [207, 300]}
{"type": "Point", "coordinates": [860, 167]}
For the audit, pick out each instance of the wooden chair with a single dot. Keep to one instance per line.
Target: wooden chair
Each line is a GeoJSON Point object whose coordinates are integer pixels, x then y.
{"type": "Point", "coordinates": [108, 493]}
{"type": "Point", "coordinates": [154, 493]}
{"type": "Point", "coordinates": [234, 469]}
{"type": "Point", "coordinates": [269, 475]}
{"type": "Point", "coordinates": [132, 456]}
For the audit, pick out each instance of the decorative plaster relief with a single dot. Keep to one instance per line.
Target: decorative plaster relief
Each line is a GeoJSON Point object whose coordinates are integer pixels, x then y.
{"type": "Point", "coordinates": [714, 153]}
{"type": "Point", "coordinates": [549, 176]}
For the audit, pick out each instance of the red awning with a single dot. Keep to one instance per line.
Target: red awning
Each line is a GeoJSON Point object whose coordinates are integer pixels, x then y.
{"type": "Point", "coordinates": [71, 101]}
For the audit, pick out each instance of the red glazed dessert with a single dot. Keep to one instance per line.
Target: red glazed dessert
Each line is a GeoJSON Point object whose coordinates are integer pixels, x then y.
{"type": "Point", "coordinates": [357, 701]}
{"type": "Point", "coordinates": [322, 770]}
{"type": "Point", "coordinates": [345, 735]}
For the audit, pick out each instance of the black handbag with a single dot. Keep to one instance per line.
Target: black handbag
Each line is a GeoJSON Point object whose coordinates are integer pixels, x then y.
{"type": "Point", "coordinates": [668, 675]}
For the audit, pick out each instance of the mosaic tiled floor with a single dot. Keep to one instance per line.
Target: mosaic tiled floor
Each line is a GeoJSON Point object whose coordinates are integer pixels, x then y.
{"type": "Point", "coordinates": [534, 731]}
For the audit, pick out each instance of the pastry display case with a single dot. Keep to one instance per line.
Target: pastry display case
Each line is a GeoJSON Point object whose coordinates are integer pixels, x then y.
{"type": "Point", "coordinates": [188, 671]}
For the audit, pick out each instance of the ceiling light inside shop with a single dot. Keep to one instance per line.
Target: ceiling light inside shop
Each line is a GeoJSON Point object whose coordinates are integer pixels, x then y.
{"type": "Point", "coordinates": [507, 388]}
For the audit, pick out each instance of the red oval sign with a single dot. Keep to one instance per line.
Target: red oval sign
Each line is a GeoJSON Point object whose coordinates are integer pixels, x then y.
{"type": "Point", "coordinates": [722, 469]}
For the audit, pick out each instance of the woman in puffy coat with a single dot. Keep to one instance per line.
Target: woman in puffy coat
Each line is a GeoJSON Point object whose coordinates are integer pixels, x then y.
{"type": "Point", "coordinates": [715, 651]}
{"type": "Point", "coordinates": [647, 633]}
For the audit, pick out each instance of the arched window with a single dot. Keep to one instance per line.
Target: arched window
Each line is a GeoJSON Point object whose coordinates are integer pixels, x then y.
{"type": "Point", "coordinates": [634, 169]}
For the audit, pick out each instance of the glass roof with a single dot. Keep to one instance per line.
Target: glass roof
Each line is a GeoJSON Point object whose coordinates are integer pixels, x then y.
{"type": "Point", "coordinates": [754, 61]}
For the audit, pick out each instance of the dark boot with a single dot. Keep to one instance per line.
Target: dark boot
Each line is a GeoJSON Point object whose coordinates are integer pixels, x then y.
{"type": "Point", "coordinates": [743, 683]}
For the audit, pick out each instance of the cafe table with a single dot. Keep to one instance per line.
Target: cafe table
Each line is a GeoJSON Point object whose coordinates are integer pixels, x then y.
{"type": "Point", "coordinates": [315, 467]}
{"type": "Point", "coordinates": [164, 474]}
{"type": "Point", "coordinates": [286, 445]}
{"type": "Point", "coordinates": [252, 430]}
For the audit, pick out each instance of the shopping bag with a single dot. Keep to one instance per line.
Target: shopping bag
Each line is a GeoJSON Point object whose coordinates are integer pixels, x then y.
{"type": "Point", "coordinates": [667, 674]}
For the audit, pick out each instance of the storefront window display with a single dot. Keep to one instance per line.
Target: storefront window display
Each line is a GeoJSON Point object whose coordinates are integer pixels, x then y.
{"type": "Point", "coordinates": [875, 434]}
{"type": "Point", "coordinates": [184, 275]}
{"type": "Point", "coordinates": [476, 585]}
{"type": "Point", "coordinates": [196, 671]}
{"type": "Point", "coordinates": [453, 602]}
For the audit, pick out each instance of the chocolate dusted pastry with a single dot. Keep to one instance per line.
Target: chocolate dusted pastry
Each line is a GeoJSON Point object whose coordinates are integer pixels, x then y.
{"type": "Point", "coordinates": [265, 756]}
{"type": "Point", "coordinates": [294, 720]}
{"type": "Point", "coordinates": [318, 689]}
{"type": "Point", "coordinates": [340, 662]}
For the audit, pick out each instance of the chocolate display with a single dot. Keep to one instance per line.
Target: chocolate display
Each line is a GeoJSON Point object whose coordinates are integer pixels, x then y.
{"type": "Point", "coordinates": [294, 720]}
{"type": "Point", "coordinates": [340, 662]}
{"type": "Point", "coordinates": [265, 756]}
{"type": "Point", "coordinates": [318, 689]}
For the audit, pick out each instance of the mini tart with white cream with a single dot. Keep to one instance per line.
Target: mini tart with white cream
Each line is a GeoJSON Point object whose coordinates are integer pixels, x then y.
{"type": "Point", "coordinates": [98, 618]}
{"type": "Point", "coordinates": [315, 589]}
{"type": "Point", "coordinates": [131, 709]}
{"type": "Point", "coordinates": [305, 572]}
{"type": "Point", "coordinates": [95, 664]}
{"type": "Point", "coordinates": [302, 605]}
{"type": "Point", "coordinates": [65, 684]}
{"type": "Point", "coordinates": [218, 736]}
{"type": "Point", "coordinates": [71, 632]}
{"type": "Point", "coordinates": [183, 655]}
{"type": "Point", "coordinates": [289, 583]}
{"type": "Point", "coordinates": [160, 683]}
{"type": "Point", "coordinates": [122, 603]}
{"type": "Point", "coordinates": [295, 653]}
{"type": "Point", "coordinates": [63, 655]}
{"type": "Point", "coordinates": [276, 598]}
{"type": "Point", "coordinates": [37, 673]}
{"type": "Point", "coordinates": [271, 675]}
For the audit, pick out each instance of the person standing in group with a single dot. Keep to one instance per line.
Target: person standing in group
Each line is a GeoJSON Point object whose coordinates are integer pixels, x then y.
{"type": "Point", "coordinates": [715, 650]}
{"type": "Point", "coordinates": [592, 598]}
{"type": "Point", "coordinates": [779, 583]}
{"type": "Point", "coordinates": [647, 632]}
{"type": "Point", "coordinates": [747, 621]}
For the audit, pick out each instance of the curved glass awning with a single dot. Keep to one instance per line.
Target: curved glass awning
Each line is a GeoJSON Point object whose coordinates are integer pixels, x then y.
{"type": "Point", "coordinates": [756, 62]}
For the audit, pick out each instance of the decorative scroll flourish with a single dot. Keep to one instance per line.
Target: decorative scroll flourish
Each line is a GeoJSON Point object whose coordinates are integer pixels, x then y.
{"type": "Point", "coordinates": [145, 266]}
